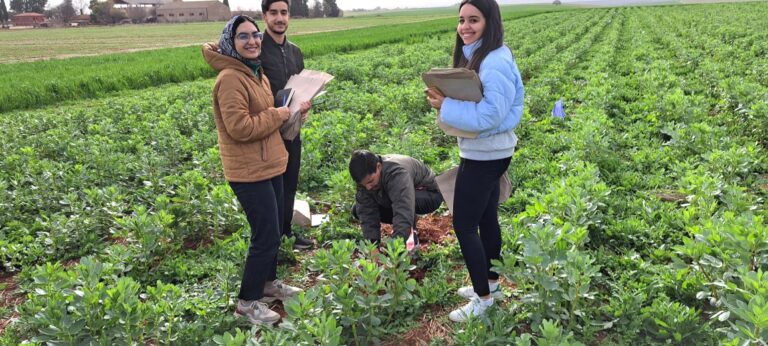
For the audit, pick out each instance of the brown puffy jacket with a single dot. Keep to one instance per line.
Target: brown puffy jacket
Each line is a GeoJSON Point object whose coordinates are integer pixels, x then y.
{"type": "Point", "coordinates": [248, 124]}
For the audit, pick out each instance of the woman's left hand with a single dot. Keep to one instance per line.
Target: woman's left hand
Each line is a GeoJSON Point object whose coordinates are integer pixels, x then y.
{"type": "Point", "coordinates": [434, 97]}
{"type": "Point", "coordinates": [304, 109]}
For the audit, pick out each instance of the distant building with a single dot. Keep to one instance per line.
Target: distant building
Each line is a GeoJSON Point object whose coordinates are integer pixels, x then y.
{"type": "Point", "coordinates": [192, 11]}
{"type": "Point", "coordinates": [80, 20]}
{"type": "Point", "coordinates": [140, 3]}
{"type": "Point", "coordinates": [28, 19]}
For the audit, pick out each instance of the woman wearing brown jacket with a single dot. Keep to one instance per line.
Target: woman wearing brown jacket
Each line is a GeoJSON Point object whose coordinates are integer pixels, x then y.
{"type": "Point", "coordinates": [254, 159]}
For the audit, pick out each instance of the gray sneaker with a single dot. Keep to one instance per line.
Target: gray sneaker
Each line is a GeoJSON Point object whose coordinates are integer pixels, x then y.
{"type": "Point", "coordinates": [278, 290]}
{"type": "Point", "coordinates": [256, 311]}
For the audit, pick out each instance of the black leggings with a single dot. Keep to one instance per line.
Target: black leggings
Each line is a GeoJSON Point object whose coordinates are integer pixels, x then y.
{"type": "Point", "coordinates": [262, 202]}
{"type": "Point", "coordinates": [475, 202]}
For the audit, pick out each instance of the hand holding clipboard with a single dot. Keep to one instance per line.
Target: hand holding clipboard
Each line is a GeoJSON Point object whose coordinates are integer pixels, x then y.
{"type": "Point", "coordinates": [456, 83]}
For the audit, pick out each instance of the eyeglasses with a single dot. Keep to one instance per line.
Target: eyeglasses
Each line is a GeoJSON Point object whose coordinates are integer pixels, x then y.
{"type": "Point", "coordinates": [244, 36]}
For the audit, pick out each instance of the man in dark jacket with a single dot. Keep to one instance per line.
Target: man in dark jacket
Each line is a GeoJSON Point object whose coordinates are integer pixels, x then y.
{"type": "Point", "coordinates": [282, 59]}
{"type": "Point", "coordinates": [391, 189]}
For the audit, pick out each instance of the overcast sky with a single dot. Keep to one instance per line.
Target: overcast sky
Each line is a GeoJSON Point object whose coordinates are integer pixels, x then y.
{"type": "Point", "coordinates": [367, 4]}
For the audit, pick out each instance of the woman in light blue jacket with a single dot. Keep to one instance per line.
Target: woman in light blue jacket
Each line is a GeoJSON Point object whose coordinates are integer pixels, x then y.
{"type": "Point", "coordinates": [484, 159]}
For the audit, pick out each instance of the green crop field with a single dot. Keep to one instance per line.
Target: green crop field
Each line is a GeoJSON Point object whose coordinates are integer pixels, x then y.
{"type": "Point", "coordinates": [27, 45]}
{"type": "Point", "coordinates": [22, 85]}
{"type": "Point", "coordinates": [638, 219]}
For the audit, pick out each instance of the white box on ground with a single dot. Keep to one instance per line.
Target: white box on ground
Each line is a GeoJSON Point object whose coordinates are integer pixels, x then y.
{"type": "Point", "coordinates": [319, 219]}
{"type": "Point", "coordinates": [301, 215]}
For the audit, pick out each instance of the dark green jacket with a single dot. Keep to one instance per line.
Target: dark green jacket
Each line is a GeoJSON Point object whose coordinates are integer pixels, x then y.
{"type": "Point", "coordinates": [401, 176]}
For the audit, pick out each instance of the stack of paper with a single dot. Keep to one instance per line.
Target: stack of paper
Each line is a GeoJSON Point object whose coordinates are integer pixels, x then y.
{"type": "Point", "coordinates": [306, 85]}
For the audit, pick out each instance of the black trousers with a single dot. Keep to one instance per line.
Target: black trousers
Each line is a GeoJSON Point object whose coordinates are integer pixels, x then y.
{"type": "Point", "coordinates": [426, 202]}
{"type": "Point", "coordinates": [262, 202]}
{"type": "Point", "coordinates": [475, 204]}
{"type": "Point", "coordinates": [290, 182]}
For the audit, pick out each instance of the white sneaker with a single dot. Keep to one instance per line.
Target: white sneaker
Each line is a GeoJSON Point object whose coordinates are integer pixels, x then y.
{"type": "Point", "coordinates": [278, 290]}
{"type": "Point", "coordinates": [475, 307]}
{"type": "Point", "coordinates": [468, 292]}
{"type": "Point", "coordinates": [256, 311]}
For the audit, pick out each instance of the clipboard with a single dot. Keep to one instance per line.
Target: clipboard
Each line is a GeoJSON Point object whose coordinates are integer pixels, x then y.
{"type": "Point", "coordinates": [459, 84]}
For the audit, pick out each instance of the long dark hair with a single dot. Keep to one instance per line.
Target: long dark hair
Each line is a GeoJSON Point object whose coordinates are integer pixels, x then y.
{"type": "Point", "coordinates": [493, 35]}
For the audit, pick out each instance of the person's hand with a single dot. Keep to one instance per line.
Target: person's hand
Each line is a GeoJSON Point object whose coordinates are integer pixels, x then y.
{"type": "Point", "coordinates": [305, 106]}
{"type": "Point", "coordinates": [304, 109]}
{"type": "Point", "coordinates": [284, 113]}
{"type": "Point", "coordinates": [434, 97]}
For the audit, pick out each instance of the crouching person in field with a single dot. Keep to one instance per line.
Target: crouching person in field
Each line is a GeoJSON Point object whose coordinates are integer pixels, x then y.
{"type": "Point", "coordinates": [254, 159]}
{"type": "Point", "coordinates": [392, 189]}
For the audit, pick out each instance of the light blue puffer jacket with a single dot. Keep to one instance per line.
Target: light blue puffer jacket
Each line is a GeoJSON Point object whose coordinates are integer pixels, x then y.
{"type": "Point", "coordinates": [496, 115]}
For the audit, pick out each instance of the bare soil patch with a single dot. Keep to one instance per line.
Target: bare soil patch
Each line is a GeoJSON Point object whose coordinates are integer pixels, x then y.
{"type": "Point", "coordinates": [10, 297]}
{"type": "Point", "coordinates": [429, 328]}
{"type": "Point", "coordinates": [207, 240]}
{"type": "Point", "coordinates": [277, 306]}
{"type": "Point", "coordinates": [433, 229]}
{"type": "Point", "coordinates": [71, 263]}
{"type": "Point", "coordinates": [671, 196]}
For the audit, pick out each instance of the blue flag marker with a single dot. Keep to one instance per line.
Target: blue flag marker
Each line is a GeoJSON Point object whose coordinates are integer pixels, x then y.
{"type": "Point", "coordinates": [558, 111]}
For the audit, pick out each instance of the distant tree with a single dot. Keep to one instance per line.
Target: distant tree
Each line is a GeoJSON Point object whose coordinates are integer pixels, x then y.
{"type": "Point", "coordinates": [137, 14]}
{"type": "Point", "coordinates": [557, 2]}
{"type": "Point", "coordinates": [100, 11]}
{"type": "Point", "coordinates": [330, 9]}
{"type": "Point", "coordinates": [4, 16]}
{"type": "Point", "coordinates": [226, 3]}
{"type": "Point", "coordinates": [299, 8]}
{"type": "Point", "coordinates": [250, 13]}
{"type": "Point", "coordinates": [66, 11]}
{"type": "Point", "coordinates": [317, 10]}
{"type": "Point", "coordinates": [20, 6]}
{"type": "Point", "coordinates": [37, 5]}
{"type": "Point", "coordinates": [305, 7]}
{"type": "Point", "coordinates": [116, 14]}
{"type": "Point", "coordinates": [80, 6]}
